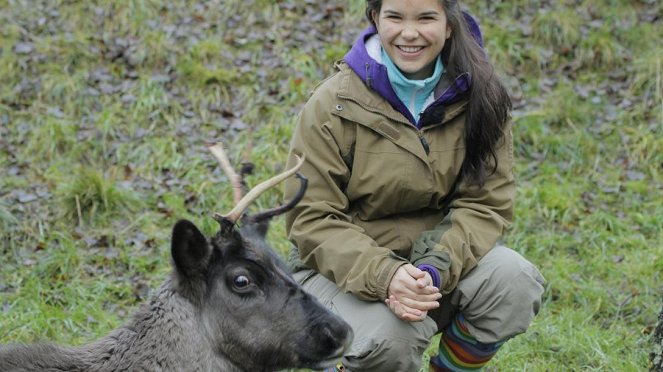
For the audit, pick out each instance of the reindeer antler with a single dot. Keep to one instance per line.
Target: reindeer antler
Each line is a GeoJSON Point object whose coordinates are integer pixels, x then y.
{"type": "Point", "coordinates": [241, 203]}
{"type": "Point", "coordinates": [303, 181]}
{"type": "Point", "coordinates": [235, 180]}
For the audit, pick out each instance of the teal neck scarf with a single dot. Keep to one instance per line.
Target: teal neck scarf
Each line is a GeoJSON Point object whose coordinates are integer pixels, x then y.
{"type": "Point", "coordinates": [413, 93]}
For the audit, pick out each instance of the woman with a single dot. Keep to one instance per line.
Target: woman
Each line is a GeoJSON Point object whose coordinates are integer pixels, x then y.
{"type": "Point", "coordinates": [409, 157]}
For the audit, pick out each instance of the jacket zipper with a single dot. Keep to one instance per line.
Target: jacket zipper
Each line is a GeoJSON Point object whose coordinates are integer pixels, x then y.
{"type": "Point", "coordinates": [423, 141]}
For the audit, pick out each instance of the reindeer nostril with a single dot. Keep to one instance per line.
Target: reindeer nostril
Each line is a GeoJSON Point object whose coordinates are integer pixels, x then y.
{"type": "Point", "coordinates": [336, 335]}
{"type": "Point", "coordinates": [326, 336]}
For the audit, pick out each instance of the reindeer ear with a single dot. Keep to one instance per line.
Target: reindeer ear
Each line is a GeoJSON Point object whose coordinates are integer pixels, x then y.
{"type": "Point", "coordinates": [262, 227]}
{"type": "Point", "coordinates": [190, 250]}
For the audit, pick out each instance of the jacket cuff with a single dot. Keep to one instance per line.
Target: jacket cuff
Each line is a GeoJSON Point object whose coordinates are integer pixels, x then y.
{"type": "Point", "coordinates": [384, 279]}
{"type": "Point", "coordinates": [435, 275]}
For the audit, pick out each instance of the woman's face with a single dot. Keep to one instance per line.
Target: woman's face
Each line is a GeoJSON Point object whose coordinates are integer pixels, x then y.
{"type": "Point", "coordinates": [413, 33]}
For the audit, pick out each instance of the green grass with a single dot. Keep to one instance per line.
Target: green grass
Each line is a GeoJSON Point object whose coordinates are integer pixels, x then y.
{"type": "Point", "coordinates": [104, 108]}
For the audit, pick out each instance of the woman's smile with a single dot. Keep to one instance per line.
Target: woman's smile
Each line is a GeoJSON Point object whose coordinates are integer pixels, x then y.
{"type": "Point", "coordinates": [410, 49]}
{"type": "Point", "coordinates": [410, 52]}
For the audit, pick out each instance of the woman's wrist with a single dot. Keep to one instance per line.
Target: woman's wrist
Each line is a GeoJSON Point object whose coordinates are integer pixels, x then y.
{"type": "Point", "coordinates": [433, 272]}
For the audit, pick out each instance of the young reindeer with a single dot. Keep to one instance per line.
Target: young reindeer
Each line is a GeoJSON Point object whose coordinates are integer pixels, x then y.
{"type": "Point", "coordinates": [229, 305]}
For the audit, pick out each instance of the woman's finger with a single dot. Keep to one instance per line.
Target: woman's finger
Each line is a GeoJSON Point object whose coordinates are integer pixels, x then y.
{"type": "Point", "coordinates": [404, 312]}
{"type": "Point", "coordinates": [422, 303]}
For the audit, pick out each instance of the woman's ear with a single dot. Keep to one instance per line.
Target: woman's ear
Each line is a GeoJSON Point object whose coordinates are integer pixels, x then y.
{"type": "Point", "coordinates": [448, 31]}
{"type": "Point", "coordinates": [375, 17]}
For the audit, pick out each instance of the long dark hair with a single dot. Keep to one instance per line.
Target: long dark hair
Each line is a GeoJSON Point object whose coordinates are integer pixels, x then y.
{"type": "Point", "coordinates": [489, 104]}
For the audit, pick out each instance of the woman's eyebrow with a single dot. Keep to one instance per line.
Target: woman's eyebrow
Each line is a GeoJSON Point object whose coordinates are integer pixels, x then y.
{"type": "Point", "coordinates": [430, 13]}
{"type": "Point", "coordinates": [391, 12]}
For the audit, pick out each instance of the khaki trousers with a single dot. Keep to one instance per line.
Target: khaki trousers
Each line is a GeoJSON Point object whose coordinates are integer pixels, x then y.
{"type": "Point", "coordinates": [499, 298]}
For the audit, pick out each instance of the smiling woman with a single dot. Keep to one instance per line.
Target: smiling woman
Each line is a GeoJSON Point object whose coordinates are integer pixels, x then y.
{"type": "Point", "coordinates": [412, 34]}
{"type": "Point", "coordinates": [409, 157]}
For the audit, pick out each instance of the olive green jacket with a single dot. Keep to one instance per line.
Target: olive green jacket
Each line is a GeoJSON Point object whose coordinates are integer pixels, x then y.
{"type": "Point", "coordinates": [377, 199]}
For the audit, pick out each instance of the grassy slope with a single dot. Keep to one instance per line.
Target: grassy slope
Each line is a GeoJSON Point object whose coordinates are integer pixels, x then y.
{"type": "Point", "coordinates": [103, 110]}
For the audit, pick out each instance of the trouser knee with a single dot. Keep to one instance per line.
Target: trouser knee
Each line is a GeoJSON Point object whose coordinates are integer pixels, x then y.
{"type": "Point", "coordinates": [386, 353]}
{"type": "Point", "coordinates": [501, 296]}
{"type": "Point", "coordinates": [382, 343]}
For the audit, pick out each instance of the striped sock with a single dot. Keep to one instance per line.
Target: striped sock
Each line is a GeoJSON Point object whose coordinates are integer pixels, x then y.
{"type": "Point", "coordinates": [459, 351]}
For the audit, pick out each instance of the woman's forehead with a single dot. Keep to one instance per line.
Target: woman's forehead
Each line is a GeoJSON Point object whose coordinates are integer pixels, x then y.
{"type": "Point", "coordinates": [411, 6]}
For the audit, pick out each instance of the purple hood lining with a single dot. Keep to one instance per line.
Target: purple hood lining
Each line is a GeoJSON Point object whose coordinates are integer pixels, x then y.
{"type": "Point", "coordinates": [374, 74]}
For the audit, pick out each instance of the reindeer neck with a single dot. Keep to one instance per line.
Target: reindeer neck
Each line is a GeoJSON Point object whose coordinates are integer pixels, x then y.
{"type": "Point", "coordinates": [164, 334]}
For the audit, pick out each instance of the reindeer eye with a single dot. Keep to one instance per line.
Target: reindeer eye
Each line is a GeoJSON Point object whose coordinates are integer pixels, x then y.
{"type": "Point", "coordinates": [241, 282]}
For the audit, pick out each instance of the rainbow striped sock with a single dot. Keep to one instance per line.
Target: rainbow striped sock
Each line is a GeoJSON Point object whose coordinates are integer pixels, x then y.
{"type": "Point", "coordinates": [459, 351]}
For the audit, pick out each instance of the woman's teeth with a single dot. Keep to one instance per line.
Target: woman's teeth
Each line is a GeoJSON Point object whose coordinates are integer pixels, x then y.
{"type": "Point", "coordinates": [410, 49]}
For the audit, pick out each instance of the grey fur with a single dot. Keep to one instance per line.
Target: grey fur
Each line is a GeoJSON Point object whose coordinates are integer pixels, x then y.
{"type": "Point", "coordinates": [656, 356]}
{"type": "Point", "coordinates": [203, 318]}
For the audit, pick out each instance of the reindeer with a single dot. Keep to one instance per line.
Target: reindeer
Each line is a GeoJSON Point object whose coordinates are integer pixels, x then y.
{"type": "Point", "coordinates": [228, 305]}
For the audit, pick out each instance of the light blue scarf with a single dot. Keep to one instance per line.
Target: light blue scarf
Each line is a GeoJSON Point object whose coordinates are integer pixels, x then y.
{"type": "Point", "coordinates": [413, 93]}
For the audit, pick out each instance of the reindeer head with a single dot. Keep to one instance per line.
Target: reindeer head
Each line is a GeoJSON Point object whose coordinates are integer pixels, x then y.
{"type": "Point", "coordinates": [252, 311]}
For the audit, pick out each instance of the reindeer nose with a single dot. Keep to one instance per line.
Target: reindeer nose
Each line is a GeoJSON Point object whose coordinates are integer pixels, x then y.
{"type": "Point", "coordinates": [349, 337]}
{"type": "Point", "coordinates": [339, 333]}
{"type": "Point", "coordinates": [338, 336]}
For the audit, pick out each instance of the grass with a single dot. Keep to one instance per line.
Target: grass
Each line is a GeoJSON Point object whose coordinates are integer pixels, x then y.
{"type": "Point", "coordinates": [104, 110]}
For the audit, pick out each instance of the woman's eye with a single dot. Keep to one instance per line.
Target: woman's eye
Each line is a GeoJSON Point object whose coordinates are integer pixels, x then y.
{"type": "Point", "coordinates": [241, 282]}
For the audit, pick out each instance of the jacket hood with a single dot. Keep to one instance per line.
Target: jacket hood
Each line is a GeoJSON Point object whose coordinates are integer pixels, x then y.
{"type": "Point", "coordinates": [374, 74]}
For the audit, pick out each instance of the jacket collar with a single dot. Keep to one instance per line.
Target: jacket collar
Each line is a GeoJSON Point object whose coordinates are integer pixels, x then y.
{"type": "Point", "coordinates": [354, 89]}
{"type": "Point", "coordinates": [373, 73]}
{"type": "Point", "coordinates": [367, 108]}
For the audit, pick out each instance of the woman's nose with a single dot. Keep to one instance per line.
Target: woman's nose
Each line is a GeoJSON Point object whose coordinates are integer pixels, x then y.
{"type": "Point", "coordinates": [410, 32]}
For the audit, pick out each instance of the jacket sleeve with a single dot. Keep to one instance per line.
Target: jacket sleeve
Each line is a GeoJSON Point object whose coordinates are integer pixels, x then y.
{"type": "Point", "coordinates": [320, 225]}
{"type": "Point", "coordinates": [476, 220]}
